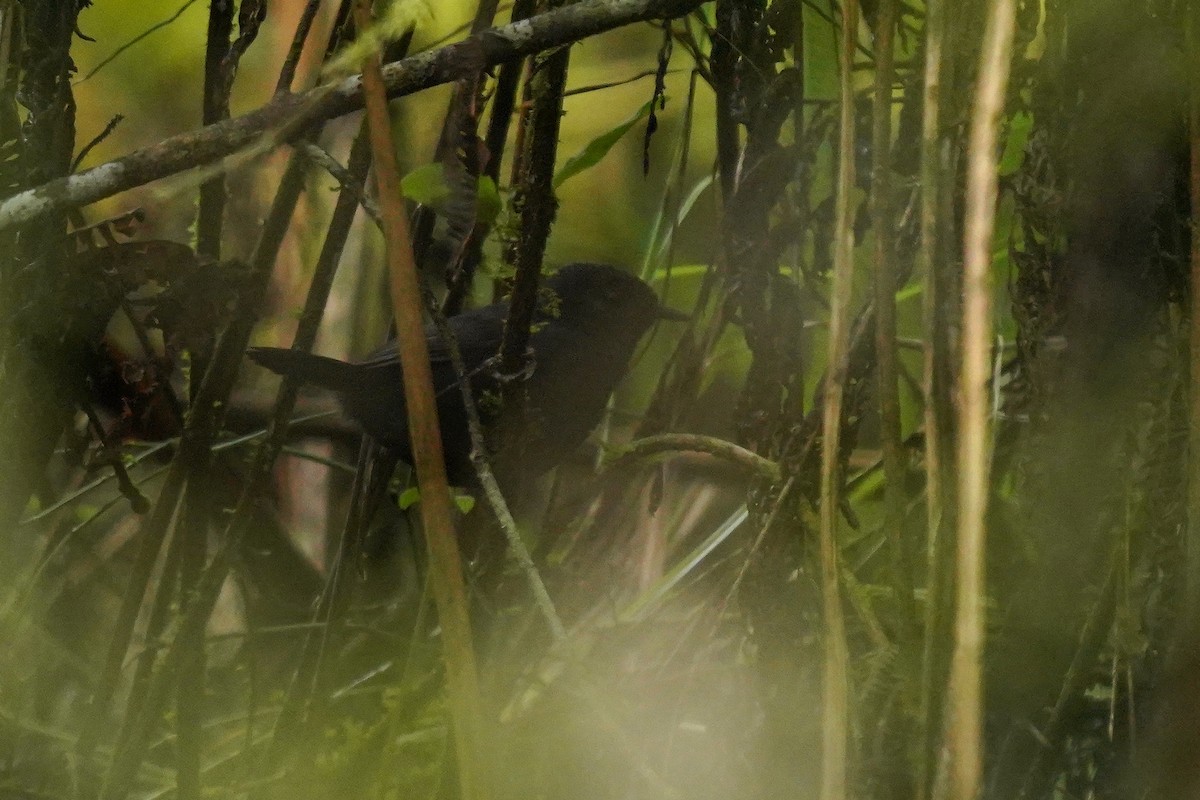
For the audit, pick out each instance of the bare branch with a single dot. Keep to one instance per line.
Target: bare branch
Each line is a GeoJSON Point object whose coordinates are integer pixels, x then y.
{"type": "Point", "coordinates": [667, 444]}
{"type": "Point", "coordinates": [288, 115]}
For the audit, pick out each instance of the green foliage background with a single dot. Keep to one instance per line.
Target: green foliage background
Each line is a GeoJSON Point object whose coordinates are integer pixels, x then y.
{"type": "Point", "coordinates": [698, 636]}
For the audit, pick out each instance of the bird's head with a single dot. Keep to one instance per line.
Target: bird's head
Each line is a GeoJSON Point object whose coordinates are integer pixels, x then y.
{"type": "Point", "coordinates": [599, 296]}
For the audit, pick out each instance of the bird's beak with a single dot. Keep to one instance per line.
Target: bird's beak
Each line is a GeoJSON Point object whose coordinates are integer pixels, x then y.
{"type": "Point", "coordinates": [664, 312]}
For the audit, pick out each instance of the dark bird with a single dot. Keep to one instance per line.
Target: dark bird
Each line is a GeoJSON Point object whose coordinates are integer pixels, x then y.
{"type": "Point", "coordinates": [590, 318]}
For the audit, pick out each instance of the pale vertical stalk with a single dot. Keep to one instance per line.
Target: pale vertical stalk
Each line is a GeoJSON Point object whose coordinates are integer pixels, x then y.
{"type": "Point", "coordinates": [931, 189]}
{"type": "Point", "coordinates": [835, 722]}
{"type": "Point", "coordinates": [964, 731]}
{"type": "Point", "coordinates": [1192, 613]}
{"type": "Point", "coordinates": [446, 578]}
{"type": "Point", "coordinates": [883, 226]}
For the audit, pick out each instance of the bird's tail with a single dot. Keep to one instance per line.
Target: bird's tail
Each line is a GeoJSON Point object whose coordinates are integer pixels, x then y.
{"type": "Point", "coordinates": [328, 373]}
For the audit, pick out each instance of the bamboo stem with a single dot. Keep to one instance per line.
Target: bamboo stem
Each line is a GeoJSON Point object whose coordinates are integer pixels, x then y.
{"type": "Point", "coordinates": [964, 729]}
{"type": "Point", "coordinates": [883, 228]}
{"type": "Point", "coordinates": [836, 722]}
{"type": "Point", "coordinates": [931, 192]}
{"type": "Point", "coordinates": [446, 576]}
{"type": "Point", "coordinates": [1192, 608]}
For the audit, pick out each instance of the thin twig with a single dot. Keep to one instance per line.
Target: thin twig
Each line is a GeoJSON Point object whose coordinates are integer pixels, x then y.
{"type": "Point", "coordinates": [120, 50]}
{"type": "Point", "coordinates": [191, 535]}
{"type": "Point", "coordinates": [151, 533]}
{"type": "Point", "coordinates": [287, 73]}
{"type": "Point", "coordinates": [536, 206]}
{"type": "Point", "coordinates": [596, 87]}
{"type": "Point", "coordinates": [100, 137]}
{"type": "Point", "coordinates": [348, 184]}
{"type": "Point", "coordinates": [267, 452]}
{"type": "Point", "coordinates": [196, 439]}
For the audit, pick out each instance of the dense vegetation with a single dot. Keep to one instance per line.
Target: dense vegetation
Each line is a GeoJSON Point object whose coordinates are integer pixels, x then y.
{"type": "Point", "coordinates": [932, 398]}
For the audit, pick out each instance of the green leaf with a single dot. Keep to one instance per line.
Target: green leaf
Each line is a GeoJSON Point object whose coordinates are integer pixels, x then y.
{"type": "Point", "coordinates": [408, 498]}
{"type": "Point", "coordinates": [685, 208]}
{"type": "Point", "coordinates": [465, 502]}
{"type": "Point", "coordinates": [1014, 144]}
{"type": "Point", "coordinates": [910, 291]}
{"type": "Point", "coordinates": [598, 148]}
{"type": "Point", "coordinates": [85, 511]}
{"type": "Point", "coordinates": [490, 204]}
{"type": "Point", "coordinates": [427, 185]}
{"type": "Point", "coordinates": [412, 495]}
{"type": "Point", "coordinates": [679, 271]}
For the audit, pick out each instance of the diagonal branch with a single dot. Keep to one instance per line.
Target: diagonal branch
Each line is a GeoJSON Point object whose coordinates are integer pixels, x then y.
{"type": "Point", "coordinates": [288, 115]}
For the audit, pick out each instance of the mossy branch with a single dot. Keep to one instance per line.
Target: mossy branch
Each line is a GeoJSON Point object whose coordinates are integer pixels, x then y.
{"type": "Point", "coordinates": [287, 116]}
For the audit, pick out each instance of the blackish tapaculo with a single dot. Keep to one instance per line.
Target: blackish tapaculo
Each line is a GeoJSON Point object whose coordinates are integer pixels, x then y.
{"type": "Point", "coordinates": [590, 318]}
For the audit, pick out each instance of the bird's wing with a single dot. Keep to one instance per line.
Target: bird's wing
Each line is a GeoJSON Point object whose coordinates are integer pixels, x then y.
{"type": "Point", "coordinates": [478, 333]}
